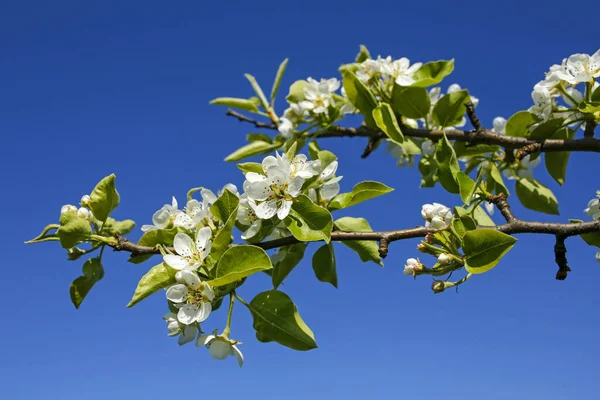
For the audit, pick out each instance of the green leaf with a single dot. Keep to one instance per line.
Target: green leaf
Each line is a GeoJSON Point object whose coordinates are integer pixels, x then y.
{"type": "Point", "coordinates": [596, 95]}
{"type": "Point", "coordinates": [323, 264]}
{"type": "Point", "coordinates": [278, 77]}
{"type": "Point", "coordinates": [252, 149]}
{"type": "Point", "coordinates": [80, 287]}
{"type": "Point", "coordinates": [462, 222]}
{"type": "Point", "coordinates": [410, 101]}
{"type": "Point", "coordinates": [518, 125]}
{"type": "Point", "coordinates": [360, 96]}
{"type": "Point", "coordinates": [547, 129]}
{"type": "Point", "coordinates": [313, 150]}
{"type": "Point", "coordinates": [308, 221]}
{"type": "Point", "coordinates": [450, 109]}
{"type": "Point", "coordinates": [225, 210]}
{"type": "Point", "coordinates": [427, 168]}
{"type": "Point", "coordinates": [484, 248]}
{"type": "Point", "coordinates": [496, 177]}
{"type": "Point", "coordinates": [291, 151]}
{"type": "Point", "coordinates": [113, 227]}
{"type": "Point", "coordinates": [73, 230]}
{"type": "Point", "coordinates": [432, 73]}
{"type": "Point", "coordinates": [261, 137]}
{"type": "Point", "coordinates": [239, 262]}
{"type": "Point", "coordinates": [462, 149]}
{"type": "Point", "coordinates": [159, 236]}
{"type": "Point", "coordinates": [556, 162]}
{"type": "Point", "coordinates": [104, 198]}
{"type": "Point", "coordinates": [276, 319]}
{"type": "Point", "coordinates": [251, 167]}
{"type": "Point", "coordinates": [466, 186]}
{"type": "Point", "coordinates": [386, 121]}
{"type": "Point", "coordinates": [481, 217]}
{"type": "Point", "coordinates": [285, 260]}
{"type": "Point", "coordinates": [363, 54]}
{"type": "Point", "coordinates": [159, 277]}
{"type": "Point", "coordinates": [367, 250]}
{"type": "Point", "coordinates": [44, 236]}
{"type": "Point", "coordinates": [535, 196]}
{"type": "Point", "coordinates": [258, 90]}
{"type": "Point", "coordinates": [296, 93]}
{"type": "Point", "coordinates": [447, 165]}
{"type": "Point", "coordinates": [361, 192]}
{"type": "Point", "coordinates": [242, 104]}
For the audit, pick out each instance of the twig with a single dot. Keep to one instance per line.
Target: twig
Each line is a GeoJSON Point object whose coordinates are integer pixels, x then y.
{"type": "Point", "coordinates": [473, 117]}
{"type": "Point", "coordinates": [560, 255]}
{"type": "Point", "coordinates": [590, 127]}
{"type": "Point", "coordinates": [243, 118]}
{"type": "Point", "coordinates": [503, 206]}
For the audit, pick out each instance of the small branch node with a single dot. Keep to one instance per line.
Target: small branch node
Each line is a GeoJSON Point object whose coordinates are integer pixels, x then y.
{"type": "Point", "coordinates": [528, 149]}
{"type": "Point", "coordinates": [560, 255]}
{"type": "Point", "coordinates": [384, 244]}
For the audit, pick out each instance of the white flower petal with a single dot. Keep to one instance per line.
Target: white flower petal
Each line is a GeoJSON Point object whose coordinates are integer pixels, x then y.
{"type": "Point", "coordinates": [187, 335]}
{"type": "Point", "coordinates": [202, 237]}
{"type": "Point", "coordinates": [190, 278]}
{"type": "Point", "coordinates": [177, 293]}
{"type": "Point", "coordinates": [330, 190]}
{"type": "Point", "coordinates": [183, 244]}
{"type": "Point", "coordinates": [219, 349]}
{"type": "Point", "coordinates": [204, 340]}
{"type": "Point", "coordinates": [267, 209]}
{"type": "Point", "coordinates": [160, 219]}
{"type": "Point", "coordinates": [204, 253]}
{"type": "Point", "coordinates": [175, 262]}
{"type": "Point", "coordinates": [255, 177]}
{"type": "Point", "coordinates": [259, 191]}
{"type": "Point", "coordinates": [284, 210]}
{"type": "Point", "coordinates": [295, 186]}
{"type": "Point", "coordinates": [238, 354]}
{"type": "Point", "coordinates": [208, 292]}
{"type": "Point", "coordinates": [203, 312]}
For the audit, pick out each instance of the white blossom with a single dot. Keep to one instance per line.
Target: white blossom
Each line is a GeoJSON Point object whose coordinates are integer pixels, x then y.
{"type": "Point", "coordinates": [328, 183]}
{"type": "Point", "coordinates": [286, 128]}
{"type": "Point", "coordinates": [427, 147]}
{"type": "Point", "coordinates": [318, 94]}
{"type": "Point", "coordinates": [85, 201]}
{"type": "Point", "coordinates": [247, 216]}
{"type": "Point", "coordinates": [580, 68]}
{"type": "Point", "coordinates": [192, 297]}
{"type": "Point", "coordinates": [368, 69]}
{"type": "Point", "coordinates": [489, 207]}
{"type": "Point", "coordinates": [598, 256]}
{"type": "Point", "coordinates": [347, 107]}
{"type": "Point", "coordinates": [542, 103]}
{"type": "Point", "coordinates": [593, 208]}
{"type": "Point", "coordinates": [162, 217]}
{"type": "Point", "coordinates": [187, 333]}
{"type": "Point", "coordinates": [296, 113]}
{"type": "Point", "coordinates": [84, 213]}
{"type": "Point", "coordinates": [443, 259]}
{"type": "Point", "coordinates": [67, 208]}
{"type": "Point", "coordinates": [499, 125]}
{"type": "Point", "coordinates": [190, 254]}
{"type": "Point", "coordinates": [436, 215]}
{"type": "Point", "coordinates": [400, 70]}
{"type": "Point", "coordinates": [220, 347]}
{"type": "Point", "coordinates": [409, 267]}
{"type": "Point", "coordinates": [402, 159]}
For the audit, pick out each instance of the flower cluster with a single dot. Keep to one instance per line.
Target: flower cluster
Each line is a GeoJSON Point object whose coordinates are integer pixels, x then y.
{"type": "Point", "coordinates": [436, 215]}
{"type": "Point", "coordinates": [561, 81]}
{"type": "Point", "coordinates": [593, 210]}
{"type": "Point", "coordinates": [83, 211]}
{"type": "Point", "coordinates": [384, 72]}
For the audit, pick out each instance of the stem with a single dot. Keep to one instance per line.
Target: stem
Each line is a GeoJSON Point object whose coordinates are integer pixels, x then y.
{"type": "Point", "coordinates": [227, 329]}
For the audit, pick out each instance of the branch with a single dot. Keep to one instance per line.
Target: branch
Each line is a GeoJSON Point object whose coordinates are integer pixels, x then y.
{"type": "Point", "coordinates": [474, 137]}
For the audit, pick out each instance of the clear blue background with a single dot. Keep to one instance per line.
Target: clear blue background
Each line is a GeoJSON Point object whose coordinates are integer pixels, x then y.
{"type": "Point", "coordinates": [91, 88]}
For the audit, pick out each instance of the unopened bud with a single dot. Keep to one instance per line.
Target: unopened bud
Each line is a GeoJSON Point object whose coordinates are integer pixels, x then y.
{"type": "Point", "coordinates": [85, 201]}
{"type": "Point", "coordinates": [440, 286]}
{"type": "Point", "coordinates": [68, 208]}
{"type": "Point", "coordinates": [413, 267]}
{"type": "Point", "coordinates": [443, 259]}
{"type": "Point", "coordinates": [422, 248]}
{"type": "Point", "coordinates": [438, 223]}
{"type": "Point", "coordinates": [84, 213]}
{"type": "Point", "coordinates": [561, 275]}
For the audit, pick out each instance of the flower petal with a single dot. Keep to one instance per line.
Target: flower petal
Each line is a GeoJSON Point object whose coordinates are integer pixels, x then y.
{"type": "Point", "coordinates": [253, 230]}
{"type": "Point", "coordinates": [160, 219]}
{"type": "Point", "coordinates": [202, 237]}
{"type": "Point", "coordinates": [330, 190]}
{"type": "Point", "coordinates": [188, 314]}
{"type": "Point", "coordinates": [295, 186]}
{"type": "Point", "coordinates": [208, 196]}
{"type": "Point", "coordinates": [238, 354]}
{"type": "Point", "coordinates": [259, 191]}
{"type": "Point", "coordinates": [187, 335]}
{"type": "Point", "coordinates": [204, 340]}
{"type": "Point", "coordinates": [175, 262]}
{"type": "Point", "coordinates": [183, 244]}
{"type": "Point", "coordinates": [208, 292]}
{"type": "Point", "coordinates": [284, 210]}
{"type": "Point", "coordinates": [203, 312]}
{"type": "Point", "coordinates": [267, 209]}
{"type": "Point", "coordinates": [219, 349]}
{"type": "Point", "coordinates": [190, 278]}
{"type": "Point", "coordinates": [177, 293]}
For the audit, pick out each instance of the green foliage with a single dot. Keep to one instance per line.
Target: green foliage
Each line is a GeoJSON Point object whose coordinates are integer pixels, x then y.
{"type": "Point", "coordinates": [323, 264]}
{"type": "Point", "coordinates": [233, 102]}
{"type": "Point", "coordinates": [386, 121]}
{"type": "Point", "coordinates": [253, 148]}
{"type": "Point", "coordinates": [360, 97]}
{"type": "Point", "coordinates": [159, 277]}
{"type": "Point", "coordinates": [361, 192]}
{"type": "Point", "coordinates": [547, 129]}
{"type": "Point", "coordinates": [367, 250]}
{"type": "Point", "coordinates": [450, 109]}
{"type": "Point", "coordinates": [278, 78]}
{"type": "Point", "coordinates": [495, 179]}
{"type": "Point", "coordinates": [104, 198]}
{"type": "Point", "coordinates": [258, 91]}
{"type": "Point", "coordinates": [363, 54]}
{"type": "Point", "coordinates": [225, 210]}
{"type": "Point", "coordinates": [80, 287]}
{"type": "Point", "coordinates": [432, 73]}
{"type": "Point", "coordinates": [113, 227]}
{"type": "Point", "coordinates": [251, 167]}
{"type": "Point", "coordinates": [462, 222]}
{"type": "Point", "coordinates": [484, 248]}
{"type": "Point", "coordinates": [535, 196]}
{"type": "Point", "coordinates": [286, 259]}
{"type": "Point", "coordinates": [592, 238]}
{"type": "Point", "coordinates": [45, 236]}
{"type": "Point", "coordinates": [518, 125]}
{"type": "Point", "coordinates": [447, 166]}
{"type": "Point", "coordinates": [308, 221]}
{"type": "Point", "coordinates": [556, 162]}
{"type": "Point", "coordinates": [410, 101]}
{"type": "Point", "coordinates": [73, 230]}
{"type": "Point", "coordinates": [276, 319]}
{"type": "Point", "coordinates": [239, 262]}
{"type": "Point", "coordinates": [296, 93]}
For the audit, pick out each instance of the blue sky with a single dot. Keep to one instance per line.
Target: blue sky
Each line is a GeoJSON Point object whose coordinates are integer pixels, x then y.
{"type": "Point", "coordinates": [91, 88]}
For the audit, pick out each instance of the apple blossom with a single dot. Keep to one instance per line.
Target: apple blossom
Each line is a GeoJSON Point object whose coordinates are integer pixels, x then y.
{"type": "Point", "coordinates": [221, 347]}
{"type": "Point", "coordinates": [192, 296]}
{"type": "Point", "coordinates": [499, 125]}
{"type": "Point", "coordinates": [186, 333]}
{"type": "Point", "coordinates": [162, 217]}
{"type": "Point", "coordinates": [190, 254]}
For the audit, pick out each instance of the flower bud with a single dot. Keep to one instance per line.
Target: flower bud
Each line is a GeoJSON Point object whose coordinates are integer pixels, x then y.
{"type": "Point", "coordinates": [84, 213]}
{"type": "Point", "coordinates": [411, 264]}
{"type": "Point", "coordinates": [438, 223]}
{"type": "Point", "coordinates": [438, 286]}
{"type": "Point", "coordinates": [85, 201]}
{"type": "Point", "coordinates": [422, 248]}
{"type": "Point", "coordinates": [443, 259]}
{"type": "Point", "coordinates": [68, 208]}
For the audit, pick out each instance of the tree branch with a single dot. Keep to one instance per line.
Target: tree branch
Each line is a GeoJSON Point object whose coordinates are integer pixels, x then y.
{"type": "Point", "coordinates": [243, 118]}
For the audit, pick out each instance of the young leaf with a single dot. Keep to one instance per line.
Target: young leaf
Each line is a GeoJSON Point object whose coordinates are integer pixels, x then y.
{"type": "Point", "coordinates": [547, 129]}
{"type": "Point", "coordinates": [251, 167]}
{"type": "Point", "coordinates": [44, 236]}
{"type": "Point", "coordinates": [242, 104]}
{"type": "Point", "coordinates": [361, 192]}
{"type": "Point", "coordinates": [277, 82]}
{"type": "Point", "coordinates": [367, 250]}
{"type": "Point", "coordinates": [225, 209]}
{"type": "Point", "coordinates": [159, 277]}
{"type": "Point", "coordinates": [252, 149]}
{"type": "Point", "coordinates": [308, 221]}
{"type": "Point", "coordinates": [556, 162]}
{"type": "Point", "coordinates": [323, 264]}
{"type": "Point", "coordinates": [104, 198]}
{"type": "Point", "coordinates": [432, 73]}
{"type": "Point", "coordinates": [448, 167]}
{"type": "Point", "coordinates": [410, 101]}
{"type": "Point", "coordinates": [73, 230]}
{"type": "Point", "coordinates": [80, 287]}
{"type": "Point", "coordinates": [296, 94]}
{"type": "Point", "coordinates": [450, 109]}
{"type": "Point", "coordinates": [466, 186]}
{"type": "Point", "coordinates": [592, 239]}
{"type": "Point", "coordinates": [496, 177]}
{"type": "Point", "coordinates": [386, 121]}
{"type": "Point", "coordinates": [518, 125]}
{"type": "Point", "coordinates": [484, 248]}
{"type": "Point", "coordinates": [363, 54]}
{"type": "Point", "coordinates": [360, 97]}
{"type": "Point", "coordinates": [258, 90]}
{"type": "Point", "coordinates": [239, 262]}
{"type": "Point", "coordinates": [113, 227]}
{"type": "Point", "coordinates": [535, 196]}
{"type": "Point", "coordinates": [253, 137]}
{"type": "Point", "coordinates": [285, 260]}
{"type": "Point", "coordinates": [276, 319]}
